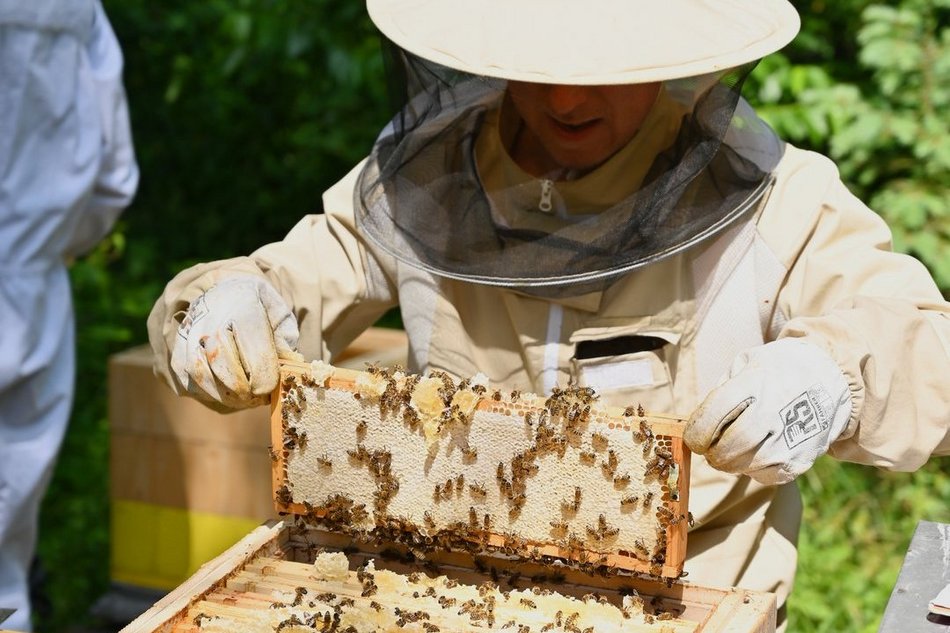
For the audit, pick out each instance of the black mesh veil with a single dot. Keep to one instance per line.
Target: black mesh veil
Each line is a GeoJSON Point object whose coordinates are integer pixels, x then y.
{"type": "Point", "coordinates": [421, 197]}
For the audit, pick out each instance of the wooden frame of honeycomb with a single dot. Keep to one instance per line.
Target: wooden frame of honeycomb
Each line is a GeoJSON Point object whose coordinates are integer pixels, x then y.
{"type": "Point", "coordinates": [436, 463]}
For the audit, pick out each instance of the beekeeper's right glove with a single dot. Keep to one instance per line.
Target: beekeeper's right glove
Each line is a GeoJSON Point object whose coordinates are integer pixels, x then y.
{"type": "Point", "coordinates": [230, 339]}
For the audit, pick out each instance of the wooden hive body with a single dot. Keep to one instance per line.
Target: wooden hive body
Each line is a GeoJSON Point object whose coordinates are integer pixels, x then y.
{"type": "Point", "coordinates": [361, 476]}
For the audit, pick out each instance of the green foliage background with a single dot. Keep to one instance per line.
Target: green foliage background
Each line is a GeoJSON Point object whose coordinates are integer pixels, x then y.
{"type": "Point", "coordinates": [244, 111]}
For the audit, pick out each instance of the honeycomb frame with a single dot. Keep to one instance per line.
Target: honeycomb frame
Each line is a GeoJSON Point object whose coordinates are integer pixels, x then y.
{"type": "Point", "coordinates": [368, 507]}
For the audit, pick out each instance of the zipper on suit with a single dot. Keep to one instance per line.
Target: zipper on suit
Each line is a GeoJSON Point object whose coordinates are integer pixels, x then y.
{"type": "Point", "coordinates": [547, 187]}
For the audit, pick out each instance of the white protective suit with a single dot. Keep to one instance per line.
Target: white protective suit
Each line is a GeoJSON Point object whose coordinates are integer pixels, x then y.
{"type": "Point", "coordinates": [67, 170]}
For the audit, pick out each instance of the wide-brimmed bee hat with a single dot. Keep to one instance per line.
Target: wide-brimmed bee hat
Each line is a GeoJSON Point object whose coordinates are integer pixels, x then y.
{"type": "Point", "coordinates": [441, 193]}
{"type": "Point", "coordinates": [589, 41]}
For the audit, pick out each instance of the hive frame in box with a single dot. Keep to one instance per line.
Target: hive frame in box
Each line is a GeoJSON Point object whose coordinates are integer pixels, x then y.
{"type": "Point", "coordinates": [703, 609]}
{"type": "Point", "coordinates": [627, 430]}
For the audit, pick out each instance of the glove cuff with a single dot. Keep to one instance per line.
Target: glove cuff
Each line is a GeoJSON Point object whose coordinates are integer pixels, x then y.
{"type": "Point", "coordinates": [828, 370]}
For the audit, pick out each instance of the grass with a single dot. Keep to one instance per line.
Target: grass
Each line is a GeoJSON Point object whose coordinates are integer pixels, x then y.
{"type": "Point", "coordinates": [857, 525]}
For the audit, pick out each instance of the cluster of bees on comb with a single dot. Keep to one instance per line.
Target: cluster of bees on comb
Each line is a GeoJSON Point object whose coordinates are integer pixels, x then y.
{"type": "Point", "coordinates": [347, 595]}
{"type": "Point", "coordinates": [552, 480]}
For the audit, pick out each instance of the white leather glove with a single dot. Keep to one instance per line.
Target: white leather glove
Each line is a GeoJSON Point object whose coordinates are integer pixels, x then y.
{"type": "Point", "coordinates": [230, 339]}
{"type": "Point", "coordinates": [779, 409]}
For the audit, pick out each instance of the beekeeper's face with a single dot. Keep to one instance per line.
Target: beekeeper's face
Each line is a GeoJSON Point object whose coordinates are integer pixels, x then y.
{"type": "Point", "coordinates": [575, 127]}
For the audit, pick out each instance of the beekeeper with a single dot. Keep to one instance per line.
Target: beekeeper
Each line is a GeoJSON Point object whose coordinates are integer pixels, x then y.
{"type": "Point", "coordinates": [67, 170]}
{"type": "Point", "coordinates": [576, 191]}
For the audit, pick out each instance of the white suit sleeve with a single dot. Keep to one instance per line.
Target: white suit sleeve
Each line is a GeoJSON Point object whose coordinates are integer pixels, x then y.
{"type": "Point", "coordinates": [325, 270]}
{"type": "Point", "coordinates": [877, 313]}
{"type": "Point", "coordinates": [118, 175]}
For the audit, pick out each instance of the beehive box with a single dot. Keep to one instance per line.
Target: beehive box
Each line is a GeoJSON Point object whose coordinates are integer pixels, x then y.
{"type": "Point", "coordinates": [429, 504]}
{"type": "Point", "coordinates": [172, 509]}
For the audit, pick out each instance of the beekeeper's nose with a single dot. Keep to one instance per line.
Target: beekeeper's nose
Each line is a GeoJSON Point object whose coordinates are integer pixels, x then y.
{"type": "Point", "coordinates": [563, 100]}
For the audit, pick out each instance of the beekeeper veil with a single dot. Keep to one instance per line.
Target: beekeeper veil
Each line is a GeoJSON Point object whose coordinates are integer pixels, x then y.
{"type": "Point", "coordinates": [441, 191]}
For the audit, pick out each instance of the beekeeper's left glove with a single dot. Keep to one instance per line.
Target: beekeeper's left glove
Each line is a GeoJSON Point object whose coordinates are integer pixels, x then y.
{"type": "Point", "coordinates": [780, 408]}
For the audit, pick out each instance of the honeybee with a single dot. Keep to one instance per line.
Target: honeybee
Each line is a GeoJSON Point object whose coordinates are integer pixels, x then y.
{"type": "Point", "coordinates": [369, 589]}
{"type": "Point", "coordinates": [293, 620]}
{"type": "Point", "coordinates": [198, 618]}
{"type": "Point", "coordinates": [655, 465]}
{"type": "Point", "coordinates": [645, 430]}
{"type": "Point", "coordinates": [641, 548]}
{"type": "Point", "coordinates": [411, 418]}
{"type": "Point", "coordinates": [357, 454]}
{"type": "Point", "coordinates": [284, 495]}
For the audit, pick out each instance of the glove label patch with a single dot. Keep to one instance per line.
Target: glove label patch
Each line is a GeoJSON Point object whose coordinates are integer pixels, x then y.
{"type": "Point", "coordinates": [196, 311]}
{"type": "Point", "coordinates": [806, 416]}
